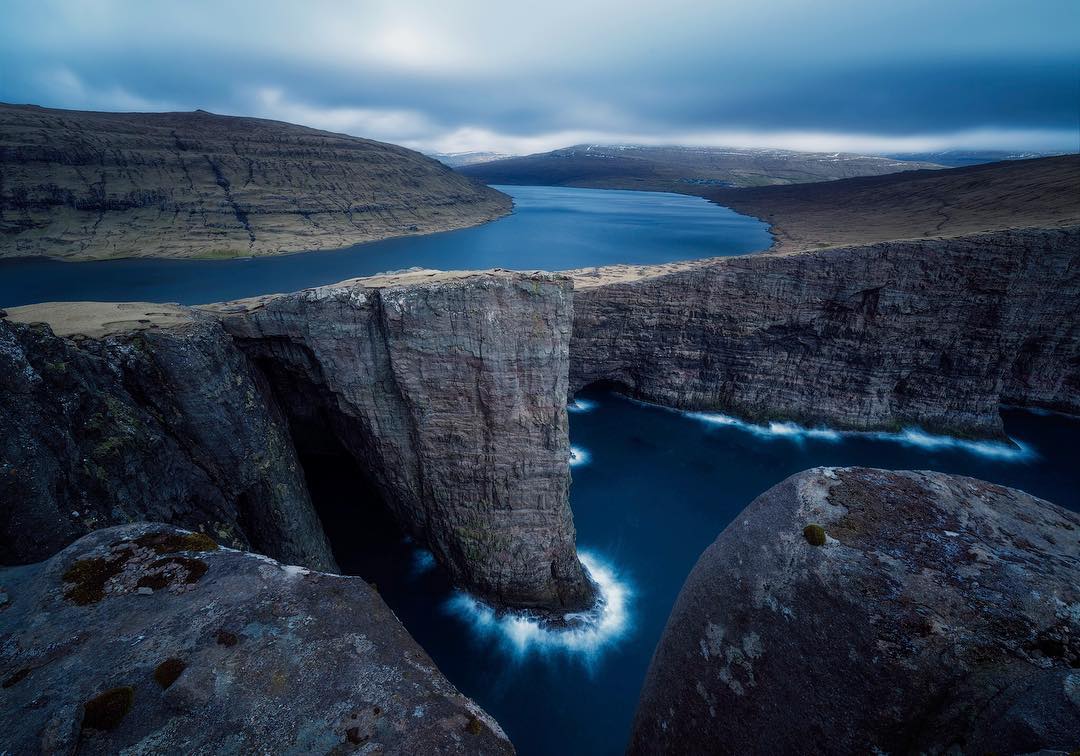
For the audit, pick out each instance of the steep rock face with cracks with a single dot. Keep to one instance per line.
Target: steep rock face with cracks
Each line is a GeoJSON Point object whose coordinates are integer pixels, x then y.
{"type": "Point", "coordinates": [166, 423]}
{"type": "Point", "coordinates": [934, 333]}
{"type": "Point", "coordinates": [144, 638]}
{"type": "Point", "coordinates": [852, 610]}
{"type": "Point", "coordinates": [450, 389]}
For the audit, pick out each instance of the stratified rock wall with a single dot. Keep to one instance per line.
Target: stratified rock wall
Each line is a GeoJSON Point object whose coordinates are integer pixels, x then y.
{"type": "Point", "coordinates": [145, 639]}
{"type": "Point", "coordinates": [934, 333]}
{"type": "Point", "coordinates": [854, 610]}
{"type": "Point", "coordinates": [84, 185]}
{"type": "Point", "coordinates": [450, 391]}
{"type": "Point", "coordinates": [165, 424]}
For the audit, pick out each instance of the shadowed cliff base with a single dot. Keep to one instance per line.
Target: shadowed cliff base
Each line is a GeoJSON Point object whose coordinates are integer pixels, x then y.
{"type": "Point", "coordinates": [82, 185]}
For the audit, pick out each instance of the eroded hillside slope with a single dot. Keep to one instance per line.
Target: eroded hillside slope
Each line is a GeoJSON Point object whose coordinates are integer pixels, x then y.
{"type": "Point", "coordinates": [82, 185]}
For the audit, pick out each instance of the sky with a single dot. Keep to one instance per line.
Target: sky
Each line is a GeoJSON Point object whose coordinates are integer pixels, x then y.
{"type": "Point", "coordinates": [872, 76]}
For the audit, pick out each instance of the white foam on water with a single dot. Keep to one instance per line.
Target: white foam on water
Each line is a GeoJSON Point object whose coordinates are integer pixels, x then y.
{"type": "Point", "coordinates": [990, 449]}
{"type": "Point", "coordinates": [1020, 452]}
{"type": "Point", "coordinates": [585, 637]}
{"type": "Point", "coordinates": [581, 405]}
{"type": "Point", "coordinates": [792, 431]}
{"type": "Point", "coordinates": [579, 456]}
{"type": "Point", "coordinates": [422, 561]}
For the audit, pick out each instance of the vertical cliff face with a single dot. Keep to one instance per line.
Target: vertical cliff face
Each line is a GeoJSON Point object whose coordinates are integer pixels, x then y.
{"type": "Point", "coordinates": [935, 333]}
{"type": "Point", "coordinates": [450, 391]}
{"type": "Point", "coordinates": [166, 424]}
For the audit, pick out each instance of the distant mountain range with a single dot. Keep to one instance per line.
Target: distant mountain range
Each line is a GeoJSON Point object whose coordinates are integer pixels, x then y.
{"type": "Point", "coordinates": [680, 169]}
{"type": "Point", "coordinates": [458, 159]}
{"type": "Point", "coordinates": [957, 158]}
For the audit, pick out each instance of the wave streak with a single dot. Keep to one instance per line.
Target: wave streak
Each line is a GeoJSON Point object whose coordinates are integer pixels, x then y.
{"type": "Point", "coordinates": [584, 636]}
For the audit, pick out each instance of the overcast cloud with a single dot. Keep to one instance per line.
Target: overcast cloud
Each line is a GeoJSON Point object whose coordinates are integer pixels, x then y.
{"type": "Point", "coordinates": [451, 76]}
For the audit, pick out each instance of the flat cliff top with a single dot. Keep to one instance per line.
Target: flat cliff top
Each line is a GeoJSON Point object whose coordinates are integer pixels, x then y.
{"type": "Point", "coordinates": [81, 185]}
{"type": "Point", "coordinates": [413, 277]}
{"type": "Point", "coordinates": [1010, 195]}
{"type": "Point", "coordinates": [100, 319]}
{"type": "Point", "coordinates": [1039, 193]}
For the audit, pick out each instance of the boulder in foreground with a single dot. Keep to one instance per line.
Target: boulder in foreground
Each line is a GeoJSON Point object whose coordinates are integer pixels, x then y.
{"type": "Point", "coordinates": [940, 614]}
{"type": "Point", "coordinates": [150, 638]}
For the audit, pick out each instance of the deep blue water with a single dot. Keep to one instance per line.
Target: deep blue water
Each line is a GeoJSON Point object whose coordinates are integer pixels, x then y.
{"type": "Point", "coordinates": [551, 228]}
{"type": "Point", "coordinates": [658, 486]}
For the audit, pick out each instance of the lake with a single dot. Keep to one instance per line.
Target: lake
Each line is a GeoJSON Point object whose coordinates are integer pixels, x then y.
{"type": "Point", "coordinates": [551, 228]}
{"type": "Point", "coordinates": [652, 488]}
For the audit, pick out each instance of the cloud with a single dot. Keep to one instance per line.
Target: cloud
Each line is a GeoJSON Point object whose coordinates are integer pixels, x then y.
{"type": "Point", "coordinates": [448, 76]}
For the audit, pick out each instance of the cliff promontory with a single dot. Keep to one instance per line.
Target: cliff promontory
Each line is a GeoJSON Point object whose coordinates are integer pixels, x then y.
{"type": "Point", "coordinates": [852, 610]}
{"type": "Point", "coordinates": [81, 185]}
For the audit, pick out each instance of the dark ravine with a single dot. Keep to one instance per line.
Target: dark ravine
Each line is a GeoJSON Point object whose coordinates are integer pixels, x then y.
{"type": "Point", "coordinates": [150, 639]}
{"type": "Point", "coordinates": [936, 333]}
{"type": "Point", "coordinates": [852, 610]}
{"type": "Point", "coordinates": [449, 389]}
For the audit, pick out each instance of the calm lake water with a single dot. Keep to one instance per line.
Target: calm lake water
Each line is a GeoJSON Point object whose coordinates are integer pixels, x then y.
{"type": "Point", "coordinates": [551, 228]}
{"type": "Point", "coordinates": [653, 488]}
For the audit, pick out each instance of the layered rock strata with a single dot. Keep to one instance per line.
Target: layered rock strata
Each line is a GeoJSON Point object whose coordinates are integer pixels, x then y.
{"type": "Point", "coordinates": [855, 610]}
{"type": "Point", "coordinates": [147, 638]}
{"type": "Point", "coordinates": [934, 333]}
{"type": "Point", "coordinates": [81, 185]}
{"type": "Point", "coordinates": [450, 390]}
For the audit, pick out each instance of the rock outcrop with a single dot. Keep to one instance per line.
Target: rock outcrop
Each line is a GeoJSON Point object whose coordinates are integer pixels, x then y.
{"type": "Point", "coordinates": [450, 390]}
{"type": "Point", "coordinates": [935, 333]}
{"type": "Point", "coordinates": [168, 424]}
{"type": "Point", "coordinates": [147, 638]}
{"type": "Point", "coordinates": [854, 610]}
{"type": "Point", "coordinates": [84, 185]}
{"type": "Point", "coordinates": [447, 389]}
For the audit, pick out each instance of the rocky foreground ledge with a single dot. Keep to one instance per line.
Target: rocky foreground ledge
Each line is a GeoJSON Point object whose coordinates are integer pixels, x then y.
{"type": "Point", "coordinates": [148, 638]}
{"type": "Point", "coordinates": [852, 610]}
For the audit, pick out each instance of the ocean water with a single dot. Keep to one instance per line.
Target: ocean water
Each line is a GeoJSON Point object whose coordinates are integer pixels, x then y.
{"type": "Point", "coordinates": [652, 488]}
{"type": "Point", "coordinates": [551, 228]}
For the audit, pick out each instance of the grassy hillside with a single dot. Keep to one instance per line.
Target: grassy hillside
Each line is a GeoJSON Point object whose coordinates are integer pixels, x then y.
{"type": "Point", "coordinates": [84, 185]}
